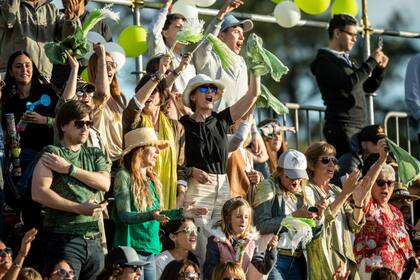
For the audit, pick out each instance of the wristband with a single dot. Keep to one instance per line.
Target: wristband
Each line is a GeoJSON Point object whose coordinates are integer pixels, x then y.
{"type": "Point", "coordinates": [157, 77]}
{"type": "Point", "coordinates": [72, 170]}
{"type": "Point", "coordinates": [50, 121]}
{"type": "Point", "coordinates": [358, 207]}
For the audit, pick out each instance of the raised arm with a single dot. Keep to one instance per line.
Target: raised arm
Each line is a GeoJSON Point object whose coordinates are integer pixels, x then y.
{"type": "Point", "coordinates": [155, 40]}
{"type": "Point", "coordinates": [43, 194]}
{"type": "Point", "coordinates": [242, 106]}
{"type": "Point", "coordinates": [102, 93]}
{"type": "Point", "coordinates": [70, 89]}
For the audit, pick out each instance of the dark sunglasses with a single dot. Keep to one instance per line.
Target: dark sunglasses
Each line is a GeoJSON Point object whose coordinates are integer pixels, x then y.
{"type": "Point", "coordinates": [133, 267]}
{"type": "Point", "coordinates": [111, 64]}
{"type": "Point", "coordinates": [190, 275]}
{"type": "Point", "coordinates": [382, 183]}
{"type": "Point", "coordinates": [231, 278]}
{"type": "Point", "coordinates": [88, 93]}
{"type": "Point", "coordinates": [6, 250]}
{"type": "Point", "coordinates": [63, 273]}
{"type": "Point", "coordinates": [81, 124]}
{"type": "Point", "coordinates": [207, 89]}
{"type": "Point", "coordinates": [326, 160]}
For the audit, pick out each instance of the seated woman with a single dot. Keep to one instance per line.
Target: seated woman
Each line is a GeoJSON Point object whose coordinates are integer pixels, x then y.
{"type": "Point", "coordinates": [206, 146]}
{"type": "Point", "coordinates": [23, 84]}
{"type": "Point", "coordinates": [138, 196]}
{"type": "Point", "coordinates": [181, 270]}
{"type": "Point", "coordinates": [383, 241]}
{"type": "Point", "coordinates": [179, 243]}
{"type": "Point", "coordinates": [334, 246]}
{"type": "Point", "coordinates": [228, 270]}
{"type": "Point", "coordinates": [284, 195]}
{"type": "Point", "coordinates": [58, 270]}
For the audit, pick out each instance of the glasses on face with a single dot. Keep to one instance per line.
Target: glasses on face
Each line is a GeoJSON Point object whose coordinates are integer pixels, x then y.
{"type": "Point", "coordinates": [81, 124]}
{"type": "Point", "coordinates": [207, 89]}
{"type": "Point", "coordinates": [231, 278]}
{"type": "Point", "coordinates": [190, 275]}
{"type": "Point", "coordinates": [353, 35]}
{"type": "Point", "coordinates": [133, 267]}
{"type": "Point", "coordinates": [381, 183]}
{"type": "Point", "coordinates": [81, 93]}
{"type": "Point", "coordinates": [326, 160]}
{"type": "Point", "coordinates": [5, 251]}
{"type": "Point", "coordinates": [63, 273]}
{"type": "Point", "coordinates": [111, 64]}
{"type": "Point", "coordinates": [188, 230]}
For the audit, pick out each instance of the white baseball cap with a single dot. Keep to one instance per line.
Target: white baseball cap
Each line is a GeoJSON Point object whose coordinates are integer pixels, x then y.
{"type": "Point", "coordinates": [294, 164]}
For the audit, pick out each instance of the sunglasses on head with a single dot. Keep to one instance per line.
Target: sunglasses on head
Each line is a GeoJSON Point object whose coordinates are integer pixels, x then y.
{"type": "Point", "coordinates": [207, 89]}
{"type": "Point", "coordinates": [63, 273]}
{"type": "Point", "coordinates": [188, 230]}
{"type": "Point", "coordinates": [382, 183]}
{"type": "Point", "coordinates": [326, 160]}
{"type": "Point", "coordinates": [80, 93]}
{"type": "Point", "coordinates": [81, 124]}
{"type": "Point", "coordinates": [190, 275]}
{"type": "Point", "coordinates": [6, 250]}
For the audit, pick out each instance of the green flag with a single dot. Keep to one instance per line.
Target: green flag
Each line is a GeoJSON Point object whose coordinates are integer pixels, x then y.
{"type": "Point", "coordinates": [408, 166]}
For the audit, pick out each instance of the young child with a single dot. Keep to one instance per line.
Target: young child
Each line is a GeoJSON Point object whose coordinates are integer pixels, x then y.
{"type": "Point", "coordinates": [235, 240]}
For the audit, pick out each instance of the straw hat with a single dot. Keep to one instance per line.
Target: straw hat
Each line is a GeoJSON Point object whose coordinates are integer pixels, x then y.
{"type": "Point", "coordinates": [142, 137]}
{"type": "Point", "coordinates": [401, 192]}
{"type": "Point", "coordinates": [200, 80]}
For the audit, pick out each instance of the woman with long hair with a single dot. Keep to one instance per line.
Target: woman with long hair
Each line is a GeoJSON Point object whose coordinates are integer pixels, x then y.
{"type": "Point", "coordinates": [138, 198]}
{"type": "Point", "coordinates": [24, 83]}
{"type": "Point", "coordinates": [181, 270]}
{"type": "Point", "coordinates": [109, 101]}
{"type": "Point", "coordinates": [58, 270]}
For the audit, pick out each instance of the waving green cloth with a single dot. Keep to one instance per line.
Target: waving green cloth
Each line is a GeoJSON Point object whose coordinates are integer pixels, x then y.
{"type": "Point", "coordinates": [408, 166]}
{"type": "Point", "coordinates": [268, 100]}
{"type": "Point", "coordinates": [261, 61]}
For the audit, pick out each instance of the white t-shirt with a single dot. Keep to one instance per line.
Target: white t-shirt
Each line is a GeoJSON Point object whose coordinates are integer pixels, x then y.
{"type": "Point", "coordinates": [162, 260]}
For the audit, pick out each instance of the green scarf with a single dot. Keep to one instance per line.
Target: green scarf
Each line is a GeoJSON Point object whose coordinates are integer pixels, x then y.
{"type": "Point", "coordinates": [408, 166]}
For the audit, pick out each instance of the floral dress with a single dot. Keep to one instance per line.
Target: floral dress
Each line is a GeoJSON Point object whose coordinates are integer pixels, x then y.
{"type": "Point", "coordinates": [383, 241]}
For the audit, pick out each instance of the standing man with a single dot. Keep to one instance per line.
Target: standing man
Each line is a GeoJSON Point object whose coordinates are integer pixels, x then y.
{"type": "Point", "coordinates": [343, 83]}
{"type": "Point", "coordinates": [67, 181]}
{"type": "Point", "coordinates": [412, 92]}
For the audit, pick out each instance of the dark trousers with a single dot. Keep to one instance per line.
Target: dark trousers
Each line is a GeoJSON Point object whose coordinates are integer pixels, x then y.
{"type": "Point", "coordinates": [339, 135]}
{"type": "Point", "coordinates": [85, 256]}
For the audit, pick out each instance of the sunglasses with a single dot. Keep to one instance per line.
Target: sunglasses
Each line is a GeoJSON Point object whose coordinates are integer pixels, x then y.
{"type": "Point", "coordinates": [188, 230]}
{"type": "Point", "coordinates": [133, 267]}
{"type": "Point", "coordinates": [326, 160]}
{"type": "Point", "coordinates": [81, 124]}
{"type": "Point", "coordinates": [382, 183]}
{"type": "Point", "coordinates": [63, 273]}
{"type": "Point", "coordinates": [207, 89]}
{"type": "Point", "coordinates": [111, 64]}
{"type": "Point", "coordinates": [231, 278]}
{"type": "Point", "coordinates": [6, 250]}
{"type": "Point", "coordinates": [190, 275]}
{"type": "Point", "coordinates": [80, 93]}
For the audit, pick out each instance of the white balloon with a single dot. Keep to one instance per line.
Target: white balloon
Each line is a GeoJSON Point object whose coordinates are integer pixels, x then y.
{"type": "Point", "coordinates": [185, 9]}
{"type": "Point", "coordinates": [287, 14]}
{"type": "Point", "coordinates": [204, 3]}
{"type": "Point", "coordinates": [117, 53]}
{"type": "Point", "coordinates": [95, 37]}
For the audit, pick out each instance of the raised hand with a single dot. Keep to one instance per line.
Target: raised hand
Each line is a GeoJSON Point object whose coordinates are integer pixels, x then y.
{"type": "Point", "coordinates": [27, 239]}
{"type": "Point", "coordinates": [229, 6]}
{"type": "Point", "coordinates": [351, 182]}
{"type": "Point", "coordinates": [185, 61]}
{"type": "Point", "coordinates": [160, 218]}
{"type": "Point", "coordinates": [194, 212]}
{"type": "Point", "coordinates": [361, 191]}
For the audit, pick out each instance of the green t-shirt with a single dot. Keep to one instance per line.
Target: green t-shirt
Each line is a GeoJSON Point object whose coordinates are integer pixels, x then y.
{"type": "Point", "coordinates": [134, 228]}
{"type": "Point", "coordinates": [89, 159]}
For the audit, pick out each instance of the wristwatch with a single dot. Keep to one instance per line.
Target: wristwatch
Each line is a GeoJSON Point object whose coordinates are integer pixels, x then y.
{"type": "Point", "coordinates": [157, 77]}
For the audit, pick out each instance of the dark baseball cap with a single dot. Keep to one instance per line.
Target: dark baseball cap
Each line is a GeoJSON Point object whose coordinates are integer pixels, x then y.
{"type": "Point", "coordinates": [124, 256]}
{"type": "Point", "coordinates": [372, 133]}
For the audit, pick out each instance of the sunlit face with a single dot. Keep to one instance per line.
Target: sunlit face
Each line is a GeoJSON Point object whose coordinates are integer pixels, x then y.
{"type": "Point", "coordinates": [111, 67]}
{"type": "Point", "coordinates": [290, 184]}
{"type": "Point", "coordinates": [170, 33]}
{"type": "Point", "coordinates": [130, 273]}
{"type": "Point", "coordinates": [204, 97]}
{"type": "Point", "coordinates": [276, 140]}
{"type": "Point", "coordinates": [325, 167]}
{"type": "Point", "coordinates": [185, 237]}
{"type": "Point", "coordinates": [5, 258]}
{"type": "Point", "coordinates": [382, 194]}
{"type": "Point", "coordinates": [62, 271]}
{"type": "Point", "coordinates": [233, 37]}
{"type": "Point", "coordinates": [230, 275]}
{"type": "Point", "coordinates": [152, 103]}
{"type": "Point", "coordinates": [77, 131]}
{"type": "Point", "coordinates": [189, 273]}
{"type": "Point", "coordinates": [149, 156]}
{"type": "Point", "coordinates": [22, 70]}
{"type": "Point", "coordinates": [347, 37]}
{"type": "Point", "coordinates": [240, 219]}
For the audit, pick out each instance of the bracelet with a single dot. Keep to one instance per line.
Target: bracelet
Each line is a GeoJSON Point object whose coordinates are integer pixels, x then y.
{"type": "Point", "coordinates": [16, 265]}
{"type": "Point", "coordinates": [50, 121]}
{"type": "Point", "coordinates": [157, 77]}
{"type": "Point", "coordinates": [72, 170]}
{"type": "Point", "coordinates": [176, 73]}
{"type": "Point", "coordinates": [358, 207]}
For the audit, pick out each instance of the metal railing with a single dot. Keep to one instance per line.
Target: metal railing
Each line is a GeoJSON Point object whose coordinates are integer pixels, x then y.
{"type": "Point", "coordinates": [396, 119]}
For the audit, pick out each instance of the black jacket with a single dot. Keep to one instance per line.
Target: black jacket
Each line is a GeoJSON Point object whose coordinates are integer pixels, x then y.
{"type": "Point", "coordinates": [343, 86]}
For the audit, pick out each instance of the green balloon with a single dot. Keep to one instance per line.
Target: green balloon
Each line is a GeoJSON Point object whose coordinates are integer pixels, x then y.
{"type": "Point", "coordinates": [313, 7]}
{"type": "Point", "coordinates": [133, 40]}
{"type": "Point", "coordinates": [277, 1]}
{"type": "Point", "coordinates": [345, 7]}
{"type": "Point", "coordinates": [85, 75]}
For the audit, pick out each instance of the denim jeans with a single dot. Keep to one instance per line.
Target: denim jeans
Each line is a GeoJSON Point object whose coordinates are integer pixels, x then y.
{"type": "Point", "coordinates": [288, 268]}
{"type": "Point", "coordinates": [84, 255]}
{"type": "Point", "coordinates": [149, 271]}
